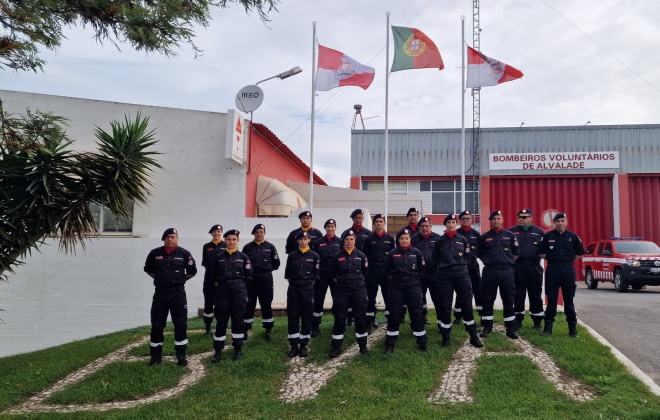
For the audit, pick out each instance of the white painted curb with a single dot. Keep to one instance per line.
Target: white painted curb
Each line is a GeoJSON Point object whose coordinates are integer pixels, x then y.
{"type": "Point", "coordinates": [632, 368]}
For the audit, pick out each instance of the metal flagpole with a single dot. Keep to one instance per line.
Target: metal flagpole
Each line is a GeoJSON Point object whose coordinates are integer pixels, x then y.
{"type": "Point", "coordinates": [311, 153]}
{"type": "Point", "coordinates": [463, 113]}
{"type": "Point", "coordinates": [387, 91]}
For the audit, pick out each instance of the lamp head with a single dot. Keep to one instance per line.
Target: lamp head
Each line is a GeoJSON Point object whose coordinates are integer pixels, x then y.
{"type": "Point", "coordinates": [289, 73]}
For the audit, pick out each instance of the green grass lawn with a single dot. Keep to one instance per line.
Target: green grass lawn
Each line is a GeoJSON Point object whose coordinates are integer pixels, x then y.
{"type": "Point", "coordinates": [372, 386]}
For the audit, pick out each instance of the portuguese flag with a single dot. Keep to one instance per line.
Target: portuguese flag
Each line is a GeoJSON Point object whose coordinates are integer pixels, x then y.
{"type": "Point", "coordinates": [414, 50]}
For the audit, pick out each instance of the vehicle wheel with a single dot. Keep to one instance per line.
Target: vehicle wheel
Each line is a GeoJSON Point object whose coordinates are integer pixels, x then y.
{"type": "Point", "coordinates": [589, 280]}
{"type": "Point", "coordinates": [619, 284]}
{"type": "Point", "coordinates": [637, 286]}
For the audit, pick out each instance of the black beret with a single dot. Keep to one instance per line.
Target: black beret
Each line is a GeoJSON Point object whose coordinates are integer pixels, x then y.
{"type": "Point", "coordinates": [448, 218]}
{"type": "Point", "coordinates": [424, 219]}
{"type": "Point", "coordinates": [231, 232]}
{"type": "Point", "coordinates": [302, 234]}
{"type": "Point", "coordinates": [356, 212]}
{"type": "Point", "coordinates": [412, 210]}
{"type": "Point", "coordinates": [349, 232]}
{"type": "Point", "coordinates": [304, 213]}
{"type": "Point", "coordinates": [329, 222]}
{"type": "Point", "coordinates": [258, 226]}
{"type": "Point", "coordinates": [215, 227]}
{"type": "Point", "coordinates": [526, 212]}
{"type": "Point", "coordinates": [494, 213]}
{"type": "Point", "coordinates": [464, 213]}
{"type": "Point", "coordinates": [405, 232]}
{"type": "Point", "coordinates": [168, 232]}
{"type": "Point", "coordinates": [379, 216]}
{"type": "Point", "coordinates": [559, 216]}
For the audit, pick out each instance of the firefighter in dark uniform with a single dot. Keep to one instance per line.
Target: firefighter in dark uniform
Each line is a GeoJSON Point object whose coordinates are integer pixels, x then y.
{"type": "Point", "coordinates": [560, 247]}
{"type": "Point", "coordinates": [412, 215]}
{"type": "Point", "coordinates": [498, 250]}
{"type": "Point", "coordinates": [305, 225]}
{"type": "Point", "coordinates": [349, 267]}
{"type": "Point", "coordinates": [170, 266]}
{"type": "Point", "coordinates": [361, 235]}
{"type": "Point", "coordinates": [472, 235]}
{"type": "Point", "coordinates": [376, 248]}
{"type": "Point", "coordinates": [451, 255]}
{"type": "Point", "coordinates": [302, 271]}
{"type": "Point", "coordinates": [425, 240]}
{"type": "Point", "coordinates": [208, 250]}
{"type": "Point", "coordinates": [528, 271]}
{"type": "Point", "coordinates": [326, 247]}
{"type": "Point", "coordinates": [232, 270]}
{"type": "Point", "coordinates": [265, 260]}
{"type": "Point", "coordinates": [404, 265]}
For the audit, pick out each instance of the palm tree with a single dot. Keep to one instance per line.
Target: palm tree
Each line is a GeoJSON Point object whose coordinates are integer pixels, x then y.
{"type": "Point", "coordinates": [46, 188]}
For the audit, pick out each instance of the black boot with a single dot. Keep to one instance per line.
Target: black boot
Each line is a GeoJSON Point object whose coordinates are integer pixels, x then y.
{"type": "Point", "coordinates": [446, 337]}
{"type": "Point", "coordinates": [207, 325]}
{"type": "Point", "coordinates": [269, 333]}
{"type": "Point", "coordinates": [458, 318]}
{"type": "Point", "coordinates": [303, 350]}
{"type": "Point", "coordinates": [474, 337]}
{"type": "Point", "coordinates": [245, 336]}
{"type": "Point", "coordinates": [572, 329]}
{"type": "Point", "coordinates": [217, 356]}
{"type": "Point", "coordinates": [423, 347]}
{"type": "Point", "coordinates": [537, 323]}
{"type": "Point", "coordinates": [363, 347]}
{"type": "Point", "coordinates": [181, 359]}
{"type": "Point", "coordinates": [488, 328]}
{"type": "Point", "coordinates": [293, 352]}
{"type": "Point", "coordinates": [156, 354]}
{"type": "Point", "coordinates": [547, 330]}
{"type": "Point", "coordinates": [518, 323]}
{"type": "Point", "coordinates": [389, 349]}
{"type": "Point", "coordinates": [511, 331]}
{"type": "Point", "coordinates": [336, 347]}
{"type": "Point", "coordinates": [316, 323]}
{"type": "Point", "coordinates": [217, 347]}
{"type": "Point", "coordinates": [238, 354]}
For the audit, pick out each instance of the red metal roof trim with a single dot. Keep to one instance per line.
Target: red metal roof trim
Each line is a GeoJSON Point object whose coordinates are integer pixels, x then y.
{"type": "Point", "coordinates": [279, 145]}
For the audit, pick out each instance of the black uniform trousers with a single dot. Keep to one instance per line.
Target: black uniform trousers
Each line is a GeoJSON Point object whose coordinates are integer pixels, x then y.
{"type": "Point", "coordinates": [429, 282]}
{"type": "Point", "coordinates": [320, 291]}
{"type": "Point", "coordinates": [230, 300]}
{"type": "Point", "coordinates": [208, 289]}
{"type": "Point", "coordinates": [405, 291]}
{"type": "Point", "coordinates": [560, 277]}
{"type": "Point", "coordinates": [299, 308]}
{"type": "Point", "coordinates": [475, 279]}
{"type": "Point", "coordinates": [528, 282]}
{"type": "Point", "coordinates": [501, 277]}
{"type": "Point", "coordinates": [170, 300]}
{"type": "Point", "coordinates": [349, 294]}
{"type": "Point", "coordinates": [376, 277]}
{"type": "Point", "coordinates": [454, 279]}
{"type": "Point", "coordinates": [260, 288]}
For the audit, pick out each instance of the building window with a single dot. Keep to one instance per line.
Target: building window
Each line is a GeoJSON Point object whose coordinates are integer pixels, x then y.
{"type": "Point", "coordinates": [107, 223]}
{"type": "Point", "coordinates": [446, 196]}
{"type": "Point", "coordinates": [393, 187]}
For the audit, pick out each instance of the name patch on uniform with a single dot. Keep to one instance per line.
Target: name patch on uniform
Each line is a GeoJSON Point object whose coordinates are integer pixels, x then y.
{"type": "Point", "coordinates": [341, 259]}
{"type": "Point", "coordinates": [160, 257]}
{"type": "Point", "coordinates": [489, 239]}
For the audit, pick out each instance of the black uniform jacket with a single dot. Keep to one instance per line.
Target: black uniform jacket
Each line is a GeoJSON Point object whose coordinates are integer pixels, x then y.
{"type": "Point", "coordinates": [301, 266]}
{"type": "Point", "coordinates": [528, 243]}
{"type": "Point", "coordinates": [345, 266]}
{"type": "Point", "coordinates": [472, 237]}
{"type": "Point", "coordinates": [292, 244]}
{"type": "Point", "coordinates": [497, 247]}
{"type": "Point", "coordinates": [326, 248]}
{"type": "Point", "coordinates": [377, 247]}
{"type": "Point", "coordinates": [426, 245]}
{"type": "Point", "coordinates": [171, 269]}
{"type": "Point", "coordinates": [561, 247]}
{"type": "Point", "coordinates": [235, 266]}
{"type": "Point", "coordinates": [405, 263]}
{"type": "Point", "coordinates": [263, 256]}
{"type": "Point", "coordinates": [361, 236]}
{"type": "Point", "coordinates": [208, 250]}
{"type": "Point", "coordinates": [451, 251]}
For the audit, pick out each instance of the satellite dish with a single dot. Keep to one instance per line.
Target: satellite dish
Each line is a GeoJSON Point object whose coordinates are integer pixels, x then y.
{"type": "Point", "coordinates": [249, 98]}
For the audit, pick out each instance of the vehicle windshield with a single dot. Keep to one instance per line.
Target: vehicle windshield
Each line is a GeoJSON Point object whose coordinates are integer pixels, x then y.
{"type": "Point", "coordinates": [637, 248]}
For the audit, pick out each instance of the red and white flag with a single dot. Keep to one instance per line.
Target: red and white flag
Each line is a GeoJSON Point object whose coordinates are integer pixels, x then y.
{"type": "Point", "coordinates": [336, 69]}
{"type": "Point", "coordinates": [486, 71]}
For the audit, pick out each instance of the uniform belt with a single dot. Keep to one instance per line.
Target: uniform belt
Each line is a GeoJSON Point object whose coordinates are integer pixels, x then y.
{"type": "Point", "coordinates": [231, 282]}
{"type": "Point", "coordinates": [350, 281]}
{"type": "Point", "coordinates": [452, 268]}
{"type": "Point", "coordinates": [499, 266]}
{"type": "Point", "coordinates": [404, 278]}
{"type": "Point", "coordinates": [560, 262]}
{"type": "Point", "coordinates": [301, 283]}
{"type": "Point", "coordinates": [528, 262]}
{"type": "Point", "coordinates": [169, 289]}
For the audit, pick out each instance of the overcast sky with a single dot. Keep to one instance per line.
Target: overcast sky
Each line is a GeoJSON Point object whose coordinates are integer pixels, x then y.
{"type": "Point", "coordinates": [569, 77]}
